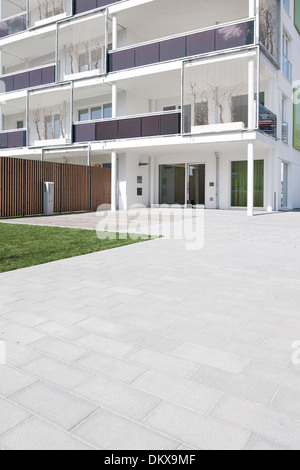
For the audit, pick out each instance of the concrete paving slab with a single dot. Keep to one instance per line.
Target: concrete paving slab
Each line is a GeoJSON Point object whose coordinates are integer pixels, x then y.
{"type": "Point", "coordinates": [208, 332]}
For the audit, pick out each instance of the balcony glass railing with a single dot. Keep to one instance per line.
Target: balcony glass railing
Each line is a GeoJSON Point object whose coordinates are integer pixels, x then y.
{"type": "Point", "coordinates": [13, 25]}
{"type": "Point", "coordinates": [287, 68]}
{"type": "Point", "coordinates": [202, 42]}
{"type": "Point", "coordinates": [29, 79]}
{"type": "Point", "coordinates": [13, 139]}
{"type": "Point", "coordinates": [285, 133]}
{"type": "Point", "coordinates": [267, 122]}
{"type": "Point", "coordinates": [135, 127]}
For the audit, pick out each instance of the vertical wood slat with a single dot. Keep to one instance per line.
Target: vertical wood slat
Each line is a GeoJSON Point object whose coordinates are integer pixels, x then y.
{"type": "Point", "coordinates": [77, 188]}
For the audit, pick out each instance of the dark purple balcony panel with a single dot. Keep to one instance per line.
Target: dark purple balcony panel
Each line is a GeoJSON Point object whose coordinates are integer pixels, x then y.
{"type": "Point", "coordinates": [129, 128]}
{"type": "Point", "coordinates": [250, 33]}
{"type": "Point", "coordinates": [146, 55]}
{"type": "Point", "coordinates": [21, 81]}
{"type": "Point", "coordinates": [173, 49]}
{"type": "Point", "coordinates": [150, 126]}
{"type": "Point", "coordinates": [107, 130]}
{"type": "Point", "coordinates": [201, 43]}
{"type": "Point", "coordinates": [35, 78]}
{"type": "Point", "coordinates": [170, 124]}
{"type": "Point", "coordinates": [122, 60]}
{"type": "Point", "coordinates": [7, 84]}
{"type": "Point", "coordinates": [104, 3]}
{"type": "Point", "coordinates": [16, 139]}
{"type": "Point", "coordinates": [3, 29]}
{"type": "Point", "coordinates": [3, 140]}
{"type": "Point", "coordinates": [48, 75]}
{"type": "Point", "coordinates": [84, 5]}
{"type": "Point", "coordinates": [231, 36]}
{"type": "Point", "coordinates": [85, 132]}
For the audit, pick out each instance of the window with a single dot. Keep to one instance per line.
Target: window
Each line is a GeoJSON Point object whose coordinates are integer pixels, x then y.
{"type": "Point", "coordinates": [48, 124]}
{"type": "Point", "coordinates": [91, 60]}
{"type": "Point", "coordinates": [96, 113]}
{"type": "Point", "coordinates": [52, 127]}
{"type": "Point", "coordinates": [107, 111]}
{"type": "Point", "coordinates": [285, 128]}
{"type": "Point", "coordinates": [286, 4]}
{"type": "Point", "coordinates": [56, 126]}
{"type": "Point", "coordinates": [83, 115]}
{"type": "Point", "coordinates": [20, 124]}
{"type": "Point", "coordinates": [297, 15]}
{"type": "Point", "coordinates": [171, 108]}
{"type": "Point", "coordinates": [296, 120]}
{"type": "Point", "coordinates": [239, 184]}
{"type": "Point", "coordinates": [96, 59]}
{"type": "Point", "coordinates": [286, 64]}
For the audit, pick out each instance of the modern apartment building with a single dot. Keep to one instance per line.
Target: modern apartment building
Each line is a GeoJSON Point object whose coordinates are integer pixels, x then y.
{"type": "Point", "coordinates": [193, 102]}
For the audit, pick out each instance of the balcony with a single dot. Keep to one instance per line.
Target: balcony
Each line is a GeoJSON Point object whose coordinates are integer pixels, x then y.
{"type": "Point", "coordinates": [135, 127]}
{"type": "Point", "coordinates": [201, 42]}
{"type": "Point", "coordinates": [287, 68]}
{"type": "Point", "coordinates": [285, 133]}
{"type": "Point", "coordinates": [42, 12]}
{"type": "Point", "coordinates": [13, 25]}
{"type": "Point", "coordinates": [13, 139]}
{"type": "Point", "coordinates": [267, 122]}
{"type": "Point", "coordinates": [30, 78]}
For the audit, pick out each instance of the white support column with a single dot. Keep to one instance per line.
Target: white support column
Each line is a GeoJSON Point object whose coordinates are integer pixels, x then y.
{"type": "Point", "coordinates": [252, 8]}
{"type": "Point", "coordinates": [114, 98]}
{"type": "Point", "coordinates": [114, 182]}
{"type": "Point", "coordinates": [251, 95]}
{"type": "Point", "coordinates": [152, 181]}
{"type": "Point", "coordinates": [270, 179]}
{"type": "Point", "coordinates": [250, 179]}
{"type": "Point", "coordinates": [114, 32]}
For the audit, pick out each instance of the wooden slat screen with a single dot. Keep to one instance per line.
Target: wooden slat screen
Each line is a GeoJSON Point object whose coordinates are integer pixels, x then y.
{"type": "Point", "coordinates": [77, 188]}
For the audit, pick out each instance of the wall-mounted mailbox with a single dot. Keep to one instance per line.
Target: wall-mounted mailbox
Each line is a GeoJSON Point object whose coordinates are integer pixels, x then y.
{"type": "Point", "coordinates": [48, 198]}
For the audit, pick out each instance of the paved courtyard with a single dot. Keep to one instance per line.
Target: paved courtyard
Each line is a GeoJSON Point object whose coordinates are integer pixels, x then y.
{"type": "Point", "coordinates": [152, 346]}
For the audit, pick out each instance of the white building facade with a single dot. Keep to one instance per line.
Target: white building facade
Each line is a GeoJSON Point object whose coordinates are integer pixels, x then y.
{"type": "Point", "coordinates": [190, 103]}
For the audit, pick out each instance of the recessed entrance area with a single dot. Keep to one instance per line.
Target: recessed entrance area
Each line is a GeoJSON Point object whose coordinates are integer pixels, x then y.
{"type": "Point", "coordinates": [182, 184]}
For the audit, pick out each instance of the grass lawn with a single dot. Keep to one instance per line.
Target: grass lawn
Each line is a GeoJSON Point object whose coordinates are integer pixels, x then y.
{"type": "Point", "coordinates": [22, 246]}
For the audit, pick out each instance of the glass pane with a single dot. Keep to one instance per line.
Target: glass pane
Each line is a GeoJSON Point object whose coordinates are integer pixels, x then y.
{"type": "Point", "coordinates": [49, 115]}
{"type": "Point", "coordinates": [107, 111]}
{"type": "Point", "coordinates": [57, 125]}
{"type": "Point", "coordinates": [48, 130]}
{"type": "Point", "coordinates": [96, 113]}
{"type": "Point", "coordinates": [96, 59]}
{"type": "Point", "coordinates": [231, 36]}
{"type": "Point", "coordinates": [296, 119]}
{"type": "Point", "coordinates": [259, 178]}
{"type": "Point", "coordinates": [196, 184]}
{"type": "Point", "coordinates": [269, 26]}
{"type": "Point", "coordinates": [239, 184]}
{"type": "Point", "coordinates": [84, 62]}
{"type": "Point", "coordinates": [297, 15]}
{"type": "Point", "coordinates": [172, 184]}
{"type": "Point", "coordinates": [83, 115]}
{"type": "Point", "coordinates": [41, 10]}
{"type": "Point", "coordinates": [81, 45]}
{"type": "Point", "coordinates": [214, 99]}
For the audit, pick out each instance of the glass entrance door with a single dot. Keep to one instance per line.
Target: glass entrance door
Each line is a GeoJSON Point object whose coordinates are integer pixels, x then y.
{"type": "Point", "coordinates": [172, 184]}
{"type": "Point", "coordinates": [196, 185]}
